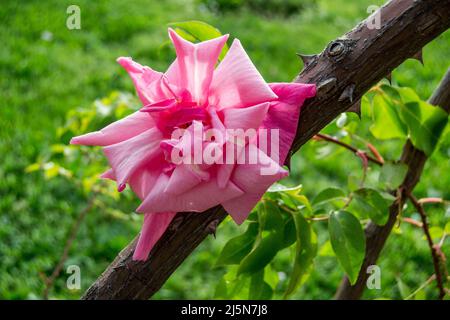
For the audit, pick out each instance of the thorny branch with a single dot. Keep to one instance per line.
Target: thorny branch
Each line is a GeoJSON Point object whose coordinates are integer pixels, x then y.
{"type": "Point", "coordinates": [343, 72]}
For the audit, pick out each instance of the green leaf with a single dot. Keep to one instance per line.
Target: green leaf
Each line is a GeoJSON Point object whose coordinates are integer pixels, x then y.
{"type": "Point", "coordinates": [289, 233]}
{"type": "Point", "coordinates": [371, 203]}
{"type": "Point", "coordinates": [269, 216]}
{"type": "Point", "coordinates": [237, 248]}
{"type": "Point", "coordinates": [221, 291]}
{"type": "Point", "coordinates": [198, 31]}
{"type": "Point", "coordinates": [348, 242]}
{"type": "Point", "coordinates": [305, 251]}
{"type": "Point", "coordinates": [259, 289]}
{"type": "Point", "coordinates": [386, 123]}
{"type": "Point", "coordinates": [392, 175]}
{"type": "Point", "coordinates": [328, 194]}
{"type": "Point", "coordinates": [263, 252]}
{"type": "Point", "coordinates": [33, 167]}
{"type": "Point", "coordinates": [425, 124]}
{"type": "Point", "coordinates": [278, 187]}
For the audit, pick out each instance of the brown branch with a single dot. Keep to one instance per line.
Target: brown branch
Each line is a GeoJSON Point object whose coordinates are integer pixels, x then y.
{"type": "Point", "coordinates": [348, 147]}
{"type": "Point", "coordinates": [49, 281]}
{"type": "Point", "coordinates": [434, 253]}
{"type": "Point", "coordinates": [344, 71]}
{"type": "Point", "coordinates": [376, 236]}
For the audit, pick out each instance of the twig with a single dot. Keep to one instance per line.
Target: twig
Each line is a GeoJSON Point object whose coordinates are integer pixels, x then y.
{"type": "Point", "coordinates": [49, 281]}
{"type": "Point", "coordinates": [349, 147]}
{"type": "Point", "coordinates": [434, 253]}
{"type": "Point", "coordinates": [423, 286]}
{"type": "Point", "coordinates": [412, 222]}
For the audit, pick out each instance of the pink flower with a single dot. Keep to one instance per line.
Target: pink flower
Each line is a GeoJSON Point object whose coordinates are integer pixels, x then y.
{"type": "Point", "coordinates": [194, 96]}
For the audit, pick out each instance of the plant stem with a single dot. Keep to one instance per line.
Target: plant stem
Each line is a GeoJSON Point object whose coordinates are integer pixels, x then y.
{"type": "Point", "coordinates": [434, 253]}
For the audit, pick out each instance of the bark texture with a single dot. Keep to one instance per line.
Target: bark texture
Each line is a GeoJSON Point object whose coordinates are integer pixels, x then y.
{"type": "Point", "coordinates": [376, 236]}
{"type": "Point", "coordinates": [344, 71]}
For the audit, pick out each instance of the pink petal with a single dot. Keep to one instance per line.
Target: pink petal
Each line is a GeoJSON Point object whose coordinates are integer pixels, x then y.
{"type": "Point", "coordinates": [284, 113]}
{"type": "Point", "coordinates": [182, 180]}
{"type": "Point", "coordinates": [198, 199]}
{"type": "Point", "coordinates": [143, 180]}
{"type": "Point", "coordinates": [118, 131]}
{"type": "Point", "coordinates": [245, 118]}
{"type": "Point", "coordinates": [108, 174]}
{"type": "Point", "coordinates": [155, 224]}
{"type": "Point", "coordinates": [237, 83]}
{"type": "Point", "coordinates": [127, 156]}
{"type": "Point", "coordinates": [195, 64]}
{"type": "Point", "coordinates": [142, 78]}
{"type": "Point", "coordinates": [249, 179]}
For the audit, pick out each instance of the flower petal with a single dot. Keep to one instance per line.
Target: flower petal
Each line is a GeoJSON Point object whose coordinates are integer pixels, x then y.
{"type": "Point", "coordinates": [127, 156]}
{"type": "Point", "coordinates": [237, 83]}
{"type": "Point", "coordinates": [245, 118]}
{"type": "Point", "coordinates": [284, 113]}
{"type": "Point", "coordinates": [155, 224]}
{"type": "Point", "coordinates": [182, 180]}
{"type": "Point", "coordinates": [198, 199]}
{"type": "Point", "coordinates": [143, 77]}
{"type": "Point", "coordinates": [118, 131]}
{"type": "Point", "coordinates": [195, 64]}
{"type": "Point", "coordinates": [253, 181]}
{"type": "Point", "coordinates": [143, 180]}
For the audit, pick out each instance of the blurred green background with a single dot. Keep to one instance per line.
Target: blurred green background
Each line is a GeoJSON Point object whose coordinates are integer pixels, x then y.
{"type": "Point", "coordinates": [47, 70]}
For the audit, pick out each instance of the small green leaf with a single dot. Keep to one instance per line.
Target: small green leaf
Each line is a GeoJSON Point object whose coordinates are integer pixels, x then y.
{"type": "Point", "coordinates": [198, 31]}
{"type": "Point", "coordinates": [392, 175]}
{"type": "Point", "coordinates": [425, 122]}
{"type": "Point", "coordinates": [264, 251]}
{"type": "Point", "coordinates": [348, 242]}
{"type": "Point", "coordinates": [278, 187]}
{"type": "Point", "coordinates": [386, 123]}
{"type": "Point", "coordinates": [328, 194]}
{"type": "Point", "coordinates": [305, 251]}
{"type": "Point", "coordinates": [371, 203]}
{"type": "Point", "coordinates": [259, 289]}
{"type": "Point", "coordinates": [289, 233]}
{"type": "Point", "coordinates": [33, 167]}
{"type": "Point", "coordinates": [269, 216]}
{"type": "Point", "coordinates": [237, 248]}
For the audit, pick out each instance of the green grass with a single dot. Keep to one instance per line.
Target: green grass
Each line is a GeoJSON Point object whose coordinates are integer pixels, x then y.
{"type": "Point", "coordinates": [41, 80]}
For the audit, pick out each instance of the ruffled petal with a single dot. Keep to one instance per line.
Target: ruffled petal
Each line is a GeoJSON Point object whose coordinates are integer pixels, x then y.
{"type": "Point", "coordinates": [118, 131]}
{"type": "Point", "coordinates": [254, 181]}
{"type": "Point", "coordinates": [237, 83]}
{"type": "Point", "coordinates": [127, 156]}
{"type": "Point", "coordinates": [198, 199]}
{"type": "Point", "coordinates": [284, 113]}
{"type": "Point", "coordinates": [143, 77]}
{"type": "Point", "coordinates": [155, 224]}
{"type": "Point", "coordinates": [143, 180]}
{"type": "Point", "coordinates": [182, 180]}
{"type": "Point", "coordinates": [245, 118]}
{"type": "Point", "coordinates": [195, 64]}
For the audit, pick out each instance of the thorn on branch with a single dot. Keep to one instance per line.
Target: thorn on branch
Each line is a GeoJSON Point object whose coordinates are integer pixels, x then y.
{"type": "Point", "coordinates": [389, 77]}
{"type": "Point", "coordinates": [307, 59]}
{"type": "Point", "coordinates": [347, 94]}
{"type": "Point", "coordinates": [212, 226]}
{"type": "Point", "coordinates": [419, 57]}
{"type": "Point", "coordinates": [326, 85]}
{"type": "Point", "coordinates": [356, 108]}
